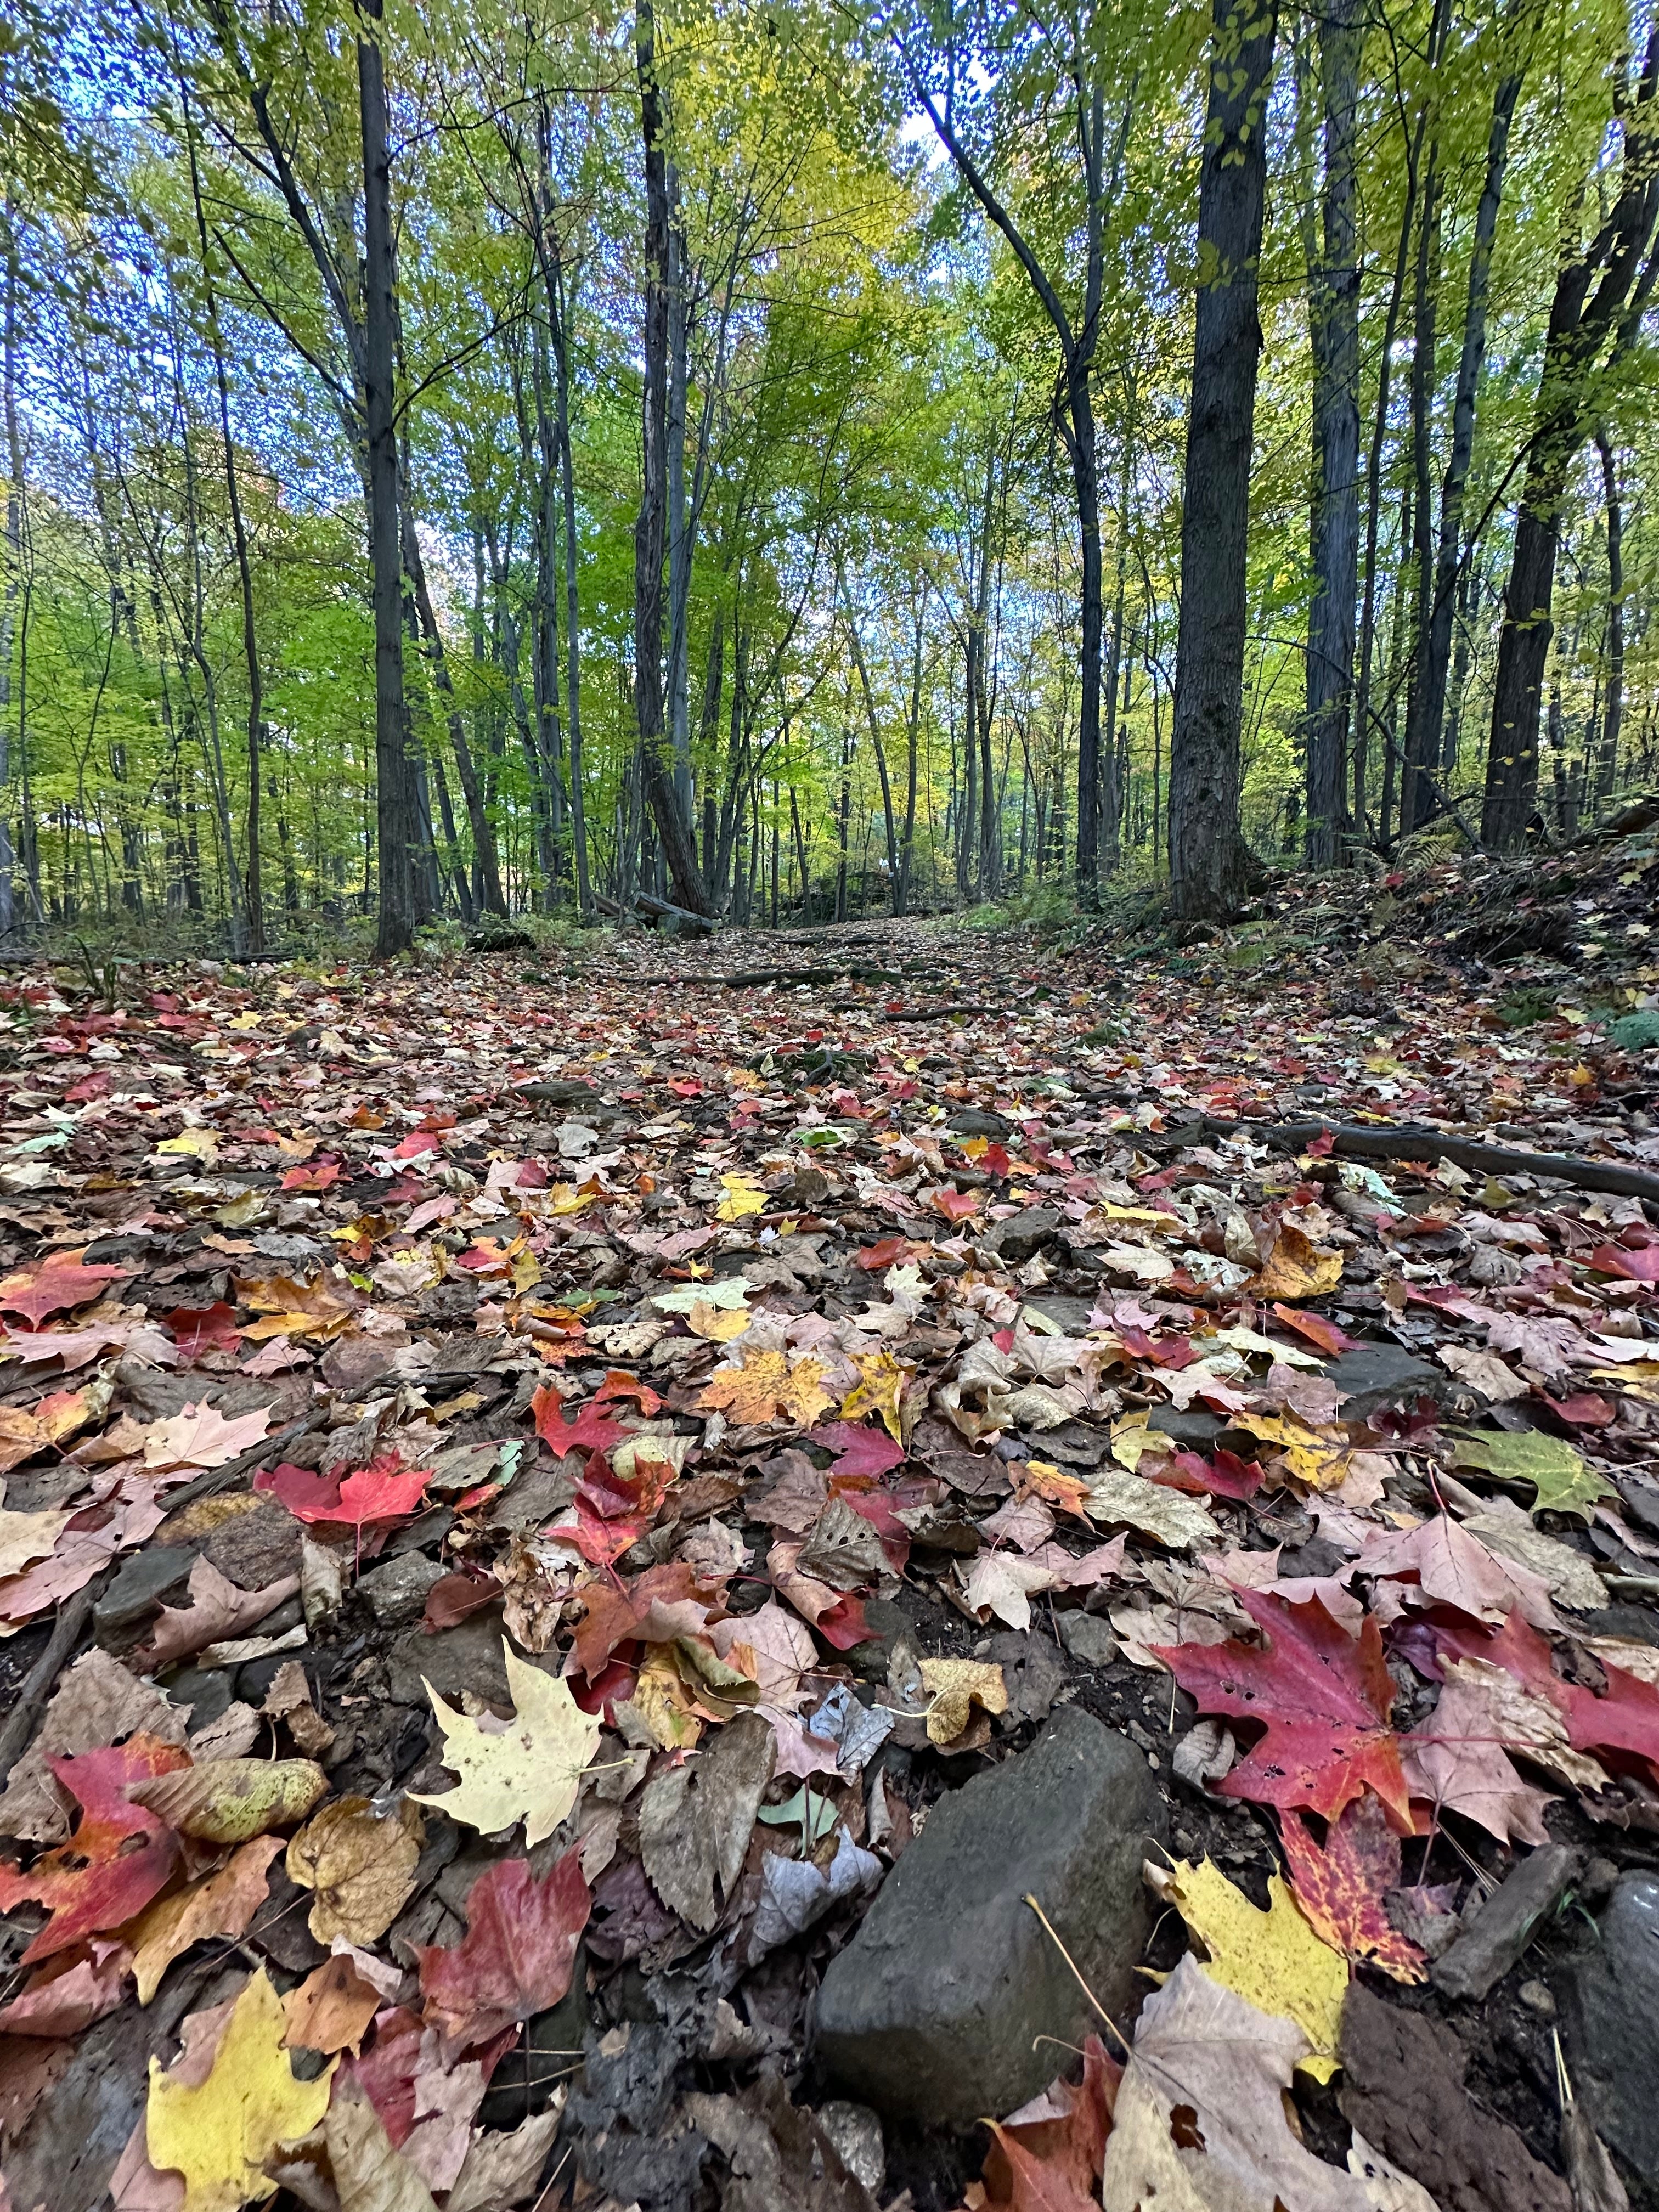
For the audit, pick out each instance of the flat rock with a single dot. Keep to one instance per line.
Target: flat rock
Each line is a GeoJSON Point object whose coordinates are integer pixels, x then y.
{"type": "Point", "coordinates": [1071, 1314]}
{"type": "Point", "coordinates": [1609, 2000]}
{"type": "Point", "coordinates": [144, 1581]}
{"type": "Point", "coordinates": [1496, 1934]}
{"type": "Point", "coordinates": [396, 1592]}
{"type": "Point", "coordinates": [258, 1547]}
{"type": "Point", "coordinates": [930, 2012]}
{"type": "Point", "coordinates": [973, 1121]}
{"type": "Point", "coordinates": [467, 1658]}
{"type": "Point", "coordinates": [1379, 1375]}
{"type": "Point", "coordinates": [1022, 1235]}
{"type": "Point", "coordinates": [1087, 1637]}
{"type": "Point", "coordinates": [1194, 1428]}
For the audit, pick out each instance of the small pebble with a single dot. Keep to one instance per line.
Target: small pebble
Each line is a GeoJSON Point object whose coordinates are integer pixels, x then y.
{"type": "Point", "coordinates": [1536, 1998]}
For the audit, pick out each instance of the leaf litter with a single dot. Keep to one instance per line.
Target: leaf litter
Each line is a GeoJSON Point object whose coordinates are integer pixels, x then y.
{"type": "Point", "coordinates": [646, 1439]}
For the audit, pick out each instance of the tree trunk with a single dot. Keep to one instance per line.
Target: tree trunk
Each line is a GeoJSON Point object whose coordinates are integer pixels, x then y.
{"type": "Point", "coordinates": [1606, 763]}
{"type": "Point", "coordinates": [394, 808]}
{"type": "Point", "coordinates": [1424, 744]}
{"type": "Point", "coordinates": [1600, 292]}
{"type": "Point", "coordinates": [1207, 855]}
{"type": "Point", "coordinates": [673, 827]}
{"type": "Point", "coordinates": [14, 527]}
{"type": "Point", "coordinates": [1416, 785]}
{"type": "Point", "coordinates": [1334, 300]}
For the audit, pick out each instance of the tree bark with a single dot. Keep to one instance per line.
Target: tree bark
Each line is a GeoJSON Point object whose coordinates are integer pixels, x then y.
{"type": "Point", "coordinates": [1416, 785]}
{"type": "Point", "coordinates": [673, 827]}
{"type": "Point", "coordinates": [1207, 855]}
{"type": "Point", "coordinates": [1606, 763]}
{"type": "Point", "coordinates": [1425, 743]}
{"type": "Point", "coordinates": [1334, 300]}
{"type": "Point", "coordinates": [394, 808]}
{"type": "Point", "coordinates": [1601, 292]}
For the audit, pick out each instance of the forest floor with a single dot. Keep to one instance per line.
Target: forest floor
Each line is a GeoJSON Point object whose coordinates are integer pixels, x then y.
{"type": "Point", "coordinates": [730, 1404]}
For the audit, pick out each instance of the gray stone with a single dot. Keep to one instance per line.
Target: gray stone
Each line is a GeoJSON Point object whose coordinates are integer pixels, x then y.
{"type": "Point", "coordinates": [559, 1092]}
{"type": "Point", "coordinates": [1379, 1375]}
{"type": "Point", "coordinates": [1194, 1429]}
{"type": "Point", "coordinates": [1071, 1314]}
{"type": "Point", "coordinates": [144, 1581]}
{"type": "Point", "coordinates": [973, 1122]}
{"type": "Point", "coordinates": [1021, 1235]}
{"type": "Point", "coordinates": [889, 1632]}
{"type": "Point", "coordinates": [931, 2011]}
{"type": "Point", "coordinates": [256, 1548]}
{"type": "Point", "coordinates": [1609, 2000]}
{"type": "Point", "coordinates": [1496, 1934]}
{"type": "Point", "coordinates": [397, 1592]}
{"type": "Point", "coordinates": [855, 2132]}
{"type": "Point", "coordinates": [1087, 1637]}
{"type": "Point", "coordinates": [467, 1658]}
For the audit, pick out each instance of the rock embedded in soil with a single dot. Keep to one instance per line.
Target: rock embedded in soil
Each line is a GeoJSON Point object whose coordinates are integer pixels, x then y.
{"type": "Point", "coordinates": [397, 1592]}
{"type": "Point", "coordinates": [1497, 1933]}
{"type": "Point", "coordinates": [1377, 1375]}
{"type": "Point", "coordinates": [144, 1580]}
{"type": "Point", "coordinates": [1021, 1235]}
{"type": "Point", "coordinates": [1609, 2001]}
{"type": "Point", "coordinates": [930, 2013]}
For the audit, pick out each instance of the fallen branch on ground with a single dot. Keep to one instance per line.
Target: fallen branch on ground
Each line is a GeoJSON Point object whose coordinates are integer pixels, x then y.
{"type": "Point", "coordinates": [1404, 1143]}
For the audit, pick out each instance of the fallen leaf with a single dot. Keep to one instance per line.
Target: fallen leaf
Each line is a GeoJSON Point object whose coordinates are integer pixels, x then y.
{"type": "Point", "coordinates": [359, 1865]}
{"type": "Point", "coordinates": [220, 2134]}
{"type": "Point", "coordinates": [25, 1537]}
{"type": "Point", "coordinates": [502, 2170]}
{"type": "Point", "coordinates": [219, 1904]}
{"type": "Point", "coordinates": [517, 1956]}
{"type": "Point", "coordinates": [1562, 1480]}
{"type": "Point", "coordinates": [1062, 2135]}
{"type": "Point", "coordinates": [368, 2174]}
{"type": "Point", "coordinates": [227, 1801]}
{"type": "Point", "coordinates": [879, 1389]}
{"type": "Point", "coordinates": [1456, 1759]}
{"type": "Point", "coordinates": [70, 1992]}
{"type": "Point", "coordinates": [383, 1491]}
{"type": "Point", "coordinates": [117, 1858]}
{"type": "Point", "coordinates": [532, 1771]}
{"type": "Point", "coordinates": [96, 1704]}
{"type": "Point", "coordinates": [197, 1329]}
{"type": "Point", "coordinates": [741, 1199]}
{"type": "Point", "coordinates": [954, 1687]}
{"type": "Point", "coordinates": [1198, 2123]}
{"type": "Point", "coordinates": [1296, 1268]}
{"type": "Point", "coordinates": [860, 1450]}
{"type": "Point", "coordinates": [61, 1280]}
{"type": "Point", "coordinates": [217, 1611]}
{"type": "Point", "coordinates": [331, 2009]}
{"type": "Point", "coordinates": [1324, 1697]}
{"type": "Point", "coordinates": [767, 1387]}
{"type": "Point", "coordinates": [199, 1436]}
{"type": "Point", "coordinates": [696, 1819]}
{"type": "Point", "coordinates": [1494, 1378]}
{"type": "Point", "coordinates": [1275, 1960]}
{"type": "Point", "coordinates": [1174, 1519]}
{"type": "Point", "coordinates": [1342, 1887]}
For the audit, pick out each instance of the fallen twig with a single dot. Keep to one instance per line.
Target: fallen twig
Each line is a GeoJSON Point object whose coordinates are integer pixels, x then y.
{"type": "Point", "coordinates": [1404, 1143]}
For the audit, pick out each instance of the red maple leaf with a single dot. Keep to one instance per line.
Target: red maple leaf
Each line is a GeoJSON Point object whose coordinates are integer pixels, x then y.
{"type": "Point", "coordinates": [844, 1623]}
{"type": "Point", "coordinates": [118, 1857]}
{"type": "Point", "coordinates": [382, 1491]}
{"type": "Point", "coordinates": [518, 1953]}
{"type": "Point", "coordinates": [956, 1205]}
{"type": "Point", "coordinates": [197, 1329]}
{"type": "Point", "coordinates": [619, 1384]}
{"type": "Point", "coordinates": [1225, 1476]}
{"type": "Point", "coordinates": [1342, 1887]}
{"type": "Point", "coordinates": [1323, 1698]}
{"type": "Point", "coordinates": [1626, 1718]}
{"type": "Point", "coordinates": [862, 1451]}
{"type": "Point", "coordinates": [590, 1431]}
{"type": "Point", "coordinates": [319, 1176]}
{"type": "Point", "coordinates": [400, 2056]}
{"type": "Point", "coordinates": [62, 1280]}
{"type": "Point", "coordinates": [1317, 1330]}
{"type": "Point", "coordinates": [656, 1606]}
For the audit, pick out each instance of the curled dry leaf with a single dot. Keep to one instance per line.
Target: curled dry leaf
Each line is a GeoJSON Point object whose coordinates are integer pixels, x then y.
{"type": "Point", "coordinates": [220, 1904]}
{"type": "Point", "coordinates": [217, 1610]}
{"type": "Point", "coordinates": [332, 2009]}
{"type": "Point", "coordinates": [954, 1687]}
{"type": "Point", "coordinates": [359, 1865]}
{"type": "Point", "coordinates": [227, 1801]}
{"type": "Point", "coordinates": [97, 1703]}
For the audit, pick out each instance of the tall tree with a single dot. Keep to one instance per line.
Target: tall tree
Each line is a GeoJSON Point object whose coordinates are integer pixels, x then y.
{"type": "Point", "coordinates": [1208, 857]}
{"type": "Point", "coordinates": [1602, 290]}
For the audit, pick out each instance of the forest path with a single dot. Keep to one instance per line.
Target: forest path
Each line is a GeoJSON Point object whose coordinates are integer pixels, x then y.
{"type": "Point", "coordinates": [826, 1353]}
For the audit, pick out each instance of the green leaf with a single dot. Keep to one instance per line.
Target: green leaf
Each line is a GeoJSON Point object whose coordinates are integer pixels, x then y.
{"type": "Point", "coordinates": [1561, 1478]}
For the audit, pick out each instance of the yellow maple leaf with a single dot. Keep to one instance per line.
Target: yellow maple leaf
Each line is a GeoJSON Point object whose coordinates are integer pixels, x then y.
{"type": "Point", "coordinates": [532, 1771]}
{"type": "Point", "coordinates": [742, 1198]}
{"type": "Point", "coordinates": [714, 1325]}
{"type": "Point", "coordinates": [954, 1687]}
{"type": "Point", "coordinates": [195, 1143]}
{"type": "Point", "coordinates": [881, 1380]}
{"type": "Point", "coordinates": [1272, 1960]}
{"type": "Point", "coordinates": [1296, 1267]}
{"type": "Point", "coordinates": [663, 1703]}
{"type": "Point", "coordinates": [219, 2132]}
{"type": "Point", "coordinates": [565, 1197]}
{"type": "Point", "coordinates": [1316, 1456]}
{"type": "Point", "coordinates": [766, 1387]}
